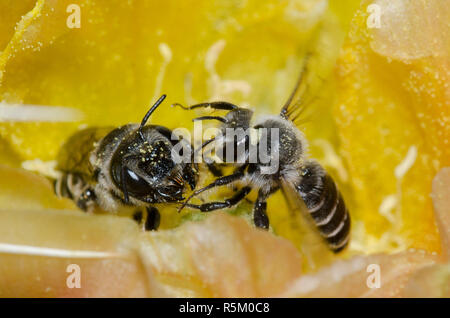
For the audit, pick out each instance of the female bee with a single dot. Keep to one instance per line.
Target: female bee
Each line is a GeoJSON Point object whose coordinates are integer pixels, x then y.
{"type": "Point", "coordinates": [127, 166]}
{"type": "Point", "coordinates": [303, 181]}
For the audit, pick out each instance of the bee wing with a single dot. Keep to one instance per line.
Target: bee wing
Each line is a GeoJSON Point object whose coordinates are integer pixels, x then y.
{"type": "Point", "coordinates": [74, 154]}
{"type": "Point", "coordinates": [294, 106]}
{"type": "Point", "coordinates": [310, 243]}
{"type": "Point", "coordinates": [318, 63]}
{"type": "Point", "coordinates": [306, 91]}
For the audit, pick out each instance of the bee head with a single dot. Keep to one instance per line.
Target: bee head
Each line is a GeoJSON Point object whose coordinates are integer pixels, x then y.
{"type": "Point", "coordinates": [146, 172]}
{"type": "Point", "coordinates": [143, 167]}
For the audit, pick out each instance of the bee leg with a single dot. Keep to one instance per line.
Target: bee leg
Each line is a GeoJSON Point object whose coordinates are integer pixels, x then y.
{"type": "Point", "coordinates": [148, 219]}
{"type": "Point", "coordinates": [259, 212]}
{"type": "Point", "coordinates": [214, 169]}
{"type": "Point", "coordinates": [189, 176]}
{"type": "Point", "coordinates": [221, 119]}
{"type": "Point", "coordinates": [153, 219]}
{"type": "Point", "coordinates": [211, 206]}
{"type": "Point", "coordinates": [137, 216]}
{"type": "Point", "coordinates": [222, 181]}
{"type": "Point", "coordinates": [249, 201]}
{"type": "Point", "coordinates": [196, 151]}
{"type": "Point", "coordinates": [217, 183]}
{"type": "Point", "coordinates": [214, 105]}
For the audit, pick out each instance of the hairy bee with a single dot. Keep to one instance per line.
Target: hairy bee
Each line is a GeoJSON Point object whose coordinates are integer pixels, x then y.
{"type": "Point", "coordinates": [303, 181]}
{"type": "Point", "coordinates": [127, 166]}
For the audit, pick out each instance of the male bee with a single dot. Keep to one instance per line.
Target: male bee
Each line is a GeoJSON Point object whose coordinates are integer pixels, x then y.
{"type": "Point", "coordinates": [303, 181]}
{"type": "Point", "coordinates": [127, 166]}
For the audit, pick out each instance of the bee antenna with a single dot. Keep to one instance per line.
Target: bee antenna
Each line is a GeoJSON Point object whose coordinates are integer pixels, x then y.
{"type": "Point", "coordinates": [147, 116]}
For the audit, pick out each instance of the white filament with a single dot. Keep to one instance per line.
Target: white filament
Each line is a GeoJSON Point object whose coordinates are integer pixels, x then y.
{"type": "Point", "coordinates": [38, 113]}
{"type": "Point", "coordinates": [6, 248]}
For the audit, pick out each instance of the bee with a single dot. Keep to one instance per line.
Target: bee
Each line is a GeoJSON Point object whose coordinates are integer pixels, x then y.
{"type": "Point", "coordinates": [304, 182]}
{"type": "Point", "coordinates": [110, 168]}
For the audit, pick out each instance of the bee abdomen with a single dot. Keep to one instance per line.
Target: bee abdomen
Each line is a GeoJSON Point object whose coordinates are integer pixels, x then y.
{"type": "Point", "coordinates": [72, 186]}
{"type": "Point", "coordinates": [335, 227]}
{"type": "Point", "coordinates": [62, 188]}
{"type": "Point", "coordinates": [326, 206]}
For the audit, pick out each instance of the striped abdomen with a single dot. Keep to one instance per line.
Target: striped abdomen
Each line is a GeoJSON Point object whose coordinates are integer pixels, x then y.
{"type": "Point", "coordinates": [325, 205]}
{"type": "Point", "coordinates": [73, 186]}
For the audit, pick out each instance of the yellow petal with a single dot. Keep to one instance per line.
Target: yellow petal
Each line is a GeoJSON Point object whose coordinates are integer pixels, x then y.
{"type": "Point", "coordinates": [431, 282]}
{"type": "Point", "coordinates": [371, 276]}
{"type": "Point", "coordinates": [222, 256]}
{"type": "Point", "coordinates": [21, 190]}
{"type": "Point", "coordinates": [383, 141]}
{"type": "Point", "coordinates": [392, 115]}
{"type": "Point", "coordinates": [39, 248]}
{"type": "Point", "coordinates": [441, 202]}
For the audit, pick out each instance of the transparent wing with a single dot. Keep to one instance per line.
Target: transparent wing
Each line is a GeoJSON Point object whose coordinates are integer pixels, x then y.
{"type": "Point", "coordinates": [74, 154]}
{"type": "Point", "coordinates": [295, 105]}
{"type": "Point", "coordinates": [307, 237]}
{"type": "Point", "coordinates": [316, 67]}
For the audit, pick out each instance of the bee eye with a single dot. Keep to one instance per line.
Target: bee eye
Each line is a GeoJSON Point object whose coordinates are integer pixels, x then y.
{"type": "Point", "coordinates": [136, 185]}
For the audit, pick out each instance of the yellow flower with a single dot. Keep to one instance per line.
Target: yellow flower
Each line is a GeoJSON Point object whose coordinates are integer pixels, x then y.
{"type": "Point", "coordinates": [379, 123]}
